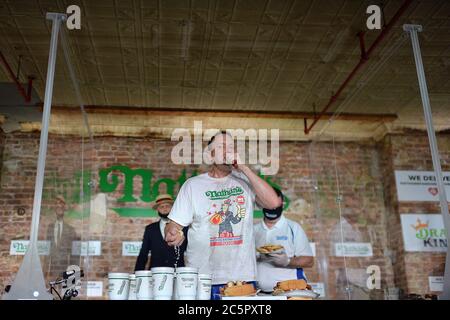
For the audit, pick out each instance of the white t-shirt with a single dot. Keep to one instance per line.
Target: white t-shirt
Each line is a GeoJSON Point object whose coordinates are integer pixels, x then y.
{"type": "Point", "coordinates": [219, 212]}
{"type": "Point", "coordinates": [291, 236]}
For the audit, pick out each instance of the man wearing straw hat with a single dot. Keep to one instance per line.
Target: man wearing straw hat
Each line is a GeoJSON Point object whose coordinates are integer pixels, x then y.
{"type": "Point", "coordinates": [218, 208]}
{"type": "Point", "coordinates": [161, 254]}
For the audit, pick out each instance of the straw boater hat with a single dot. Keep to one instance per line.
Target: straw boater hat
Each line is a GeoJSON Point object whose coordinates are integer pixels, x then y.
{"type": "Point", "coordinates": [61, 199]}
{"type": "Point", "coordinates": [160, 199]}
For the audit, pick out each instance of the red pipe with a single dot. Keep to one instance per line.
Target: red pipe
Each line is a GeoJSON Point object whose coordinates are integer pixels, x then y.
{"type": "Point", "coordinates": [362, 45]}
{"type": "Point", "coordinates": [361, 62]}
{"type": "Point", "coordinates": [25, 94]}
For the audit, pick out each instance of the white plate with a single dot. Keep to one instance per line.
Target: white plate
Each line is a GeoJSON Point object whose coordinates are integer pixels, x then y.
{"type": "Point", "coordinates": [299, 293]}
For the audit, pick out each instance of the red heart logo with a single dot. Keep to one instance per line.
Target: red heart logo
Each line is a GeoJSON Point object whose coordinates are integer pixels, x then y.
{"type": "Point", "coordinates": [433, 190]}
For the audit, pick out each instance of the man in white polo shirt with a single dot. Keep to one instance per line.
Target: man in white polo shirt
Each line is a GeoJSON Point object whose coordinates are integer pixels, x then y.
{"type": "Point", "coordinates": [297, 253]}
{"type": "Point", "coordinates": [218, 208]}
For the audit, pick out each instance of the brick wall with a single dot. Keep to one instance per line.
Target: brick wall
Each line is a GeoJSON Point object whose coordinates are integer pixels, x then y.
{"type": "Point", "coordinates": [2, 142]}
{"type": "Point", "coordinates": [411, 152]}
{"type": "Point", "coordinates": [323, 183]}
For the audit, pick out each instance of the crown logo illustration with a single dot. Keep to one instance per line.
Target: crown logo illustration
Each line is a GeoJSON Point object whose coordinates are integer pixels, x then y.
{"type": "Point", "coordinates": [419, 225]}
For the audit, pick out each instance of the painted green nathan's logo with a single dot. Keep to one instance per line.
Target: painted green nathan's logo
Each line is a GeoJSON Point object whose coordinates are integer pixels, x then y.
{"type": "Point", "coordinates": [110, 179]}
{"type": "Point", "coordinates": [134, 185]}
{"type": "Point", "coordinates": [224, 194]}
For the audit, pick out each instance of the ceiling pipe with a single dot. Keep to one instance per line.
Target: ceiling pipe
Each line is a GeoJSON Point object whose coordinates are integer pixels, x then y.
{"type": "Point", "coordinates": [364, 57]}
{"type": "Point", "coordinates": [25, 94]}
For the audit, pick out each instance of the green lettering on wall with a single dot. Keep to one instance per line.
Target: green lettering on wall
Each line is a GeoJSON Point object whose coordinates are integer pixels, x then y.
{"type": "Point", "coordinates": [128, 188]}
{"type": "Point", "coordinates": [109, 181]}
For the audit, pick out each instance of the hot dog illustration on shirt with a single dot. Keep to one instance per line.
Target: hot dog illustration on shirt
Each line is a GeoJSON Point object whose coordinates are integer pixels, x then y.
{"type": "Point", "coordinates": [225, 218]}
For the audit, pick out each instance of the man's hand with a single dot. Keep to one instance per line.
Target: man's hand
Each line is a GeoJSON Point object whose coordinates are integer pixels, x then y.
{"type": "Point", "coordinates": [174, 235]}
{"type": "Point", "coordinates": [235, 161]}
{"type": "Point", "coordinates": [277, 259]}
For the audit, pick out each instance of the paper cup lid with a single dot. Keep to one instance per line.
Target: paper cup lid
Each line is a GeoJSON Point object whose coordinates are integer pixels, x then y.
{"type": "Point", "coordinates": [143, 273]}
{"type": "Point", "coordinates": [163, 269]}
{"type": "Point", "coordinates": [186, 269]}
{"type": "Point", "coordinates": [118, 275]}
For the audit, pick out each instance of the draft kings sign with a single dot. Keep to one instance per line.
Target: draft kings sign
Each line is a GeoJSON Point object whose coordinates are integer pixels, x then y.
{"type": "Point", "coordinates": [132, 189]}
{"type": "Point", "coordinates": [424, 233]}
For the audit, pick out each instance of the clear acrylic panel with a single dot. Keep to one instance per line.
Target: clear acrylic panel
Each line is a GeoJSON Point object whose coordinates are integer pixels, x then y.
{"type": "Point", "coordinates": [67, 190]}
{"type": "Point", "coordinates": [359, 170]}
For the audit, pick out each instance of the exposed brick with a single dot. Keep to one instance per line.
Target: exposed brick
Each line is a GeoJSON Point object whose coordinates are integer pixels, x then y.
{"type": "Point", "coordinates": [362, 172]}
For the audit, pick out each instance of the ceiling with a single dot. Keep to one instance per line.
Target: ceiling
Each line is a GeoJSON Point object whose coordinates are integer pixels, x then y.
{"type": "Point", "coordinates": [242, 55]}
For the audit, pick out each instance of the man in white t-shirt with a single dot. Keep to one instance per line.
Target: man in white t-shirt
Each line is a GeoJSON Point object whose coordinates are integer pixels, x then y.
{"type": "Point", "coordinates": [218, 208]}
{"type": "Point", "coordinates": [296, 255]}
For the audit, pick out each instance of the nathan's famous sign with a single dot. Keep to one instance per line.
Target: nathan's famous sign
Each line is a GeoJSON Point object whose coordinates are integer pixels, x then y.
{"type": "Point", "coordinates": [130, 185]}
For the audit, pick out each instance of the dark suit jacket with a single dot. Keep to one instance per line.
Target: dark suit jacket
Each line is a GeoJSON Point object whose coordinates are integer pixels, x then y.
{"type": "Point", "coordinates": [162, 255]}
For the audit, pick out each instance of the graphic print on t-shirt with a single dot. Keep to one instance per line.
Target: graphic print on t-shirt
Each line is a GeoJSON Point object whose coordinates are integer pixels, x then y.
{"type": "Point", "coordinates": [226, 214]}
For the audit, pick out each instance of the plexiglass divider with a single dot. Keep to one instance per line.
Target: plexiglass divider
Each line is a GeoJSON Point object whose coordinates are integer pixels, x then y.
{"type": "Point", "coordinates": [349, 197]}
{"type": "Point", "coordinates": [342, 195]}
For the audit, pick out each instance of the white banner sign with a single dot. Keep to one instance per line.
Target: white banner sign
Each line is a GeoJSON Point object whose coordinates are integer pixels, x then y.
{"type": "Point", "coordinates": [423, 232]}
{"type": "Point", "coordinates": [94, 288]}
{"type": "Point", "coordinates": [436, 284]}
{"type": "Point", "coordinates": [131, 248]}
{"type": "Point", "coordinates": [84, 248]}
{"type": "Point", "coordinates": [353, 249]}
{"type": "Point", "coordinates": [419, 185]}
{"type": "Point", "coordinates": [19, 247]}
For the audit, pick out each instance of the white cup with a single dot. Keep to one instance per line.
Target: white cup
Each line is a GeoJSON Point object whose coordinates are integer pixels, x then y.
{"type": "Point", "coordinates": [162, 283]}
{"type": "Point", "coordinates": [132, 291]}
{"type": "Point", "coordinates": [144, 285]}
{"type": "Point", "coordinates": [204, 287]}
{"type": "Point", "coordinates": [118, 285]}
{"type": "Point", "coordinates": [186, 284]}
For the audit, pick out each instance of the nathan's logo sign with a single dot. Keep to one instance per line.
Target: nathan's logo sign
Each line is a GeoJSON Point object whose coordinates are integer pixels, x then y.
{"type": "Point", "coordinates": [127, 187]}
{"type": "Point", "coordinates": [224, 194]}
{"type": "Point", "coordinates": [424, 232]}
{"type": "Point", "coordinates": [146, 191]}
{"type": "Point", "coordinates": [110, 181]}
{"type": "Point", "coordinates": [20, 247]}
{"type": "Point", "coordinates": [131, 248]}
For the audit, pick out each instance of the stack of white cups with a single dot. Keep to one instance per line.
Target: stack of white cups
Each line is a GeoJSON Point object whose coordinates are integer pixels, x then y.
{"type": "Point", "coordinates": [118, 285]}
{"type": "Point", "coordinates": [204, 287]}
{"type": "Point", "coordinates": [186, 283]}
{"type": "Point", "coordinates": [162, 283]}
{"type": "Point", "coordinates": [144, 285]}
{"type": "Point", "coordinates": [132, 291]}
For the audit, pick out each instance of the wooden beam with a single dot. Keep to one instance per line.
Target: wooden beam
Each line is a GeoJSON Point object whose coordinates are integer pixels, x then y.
{"type": "Point", "coordinates": [176, 112]}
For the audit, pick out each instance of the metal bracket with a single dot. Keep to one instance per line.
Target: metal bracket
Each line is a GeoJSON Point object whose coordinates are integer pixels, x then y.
{"type": "Point", "coordinates": [412, 27]}
{"type": "Point", "coordinates": [55, 16]}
